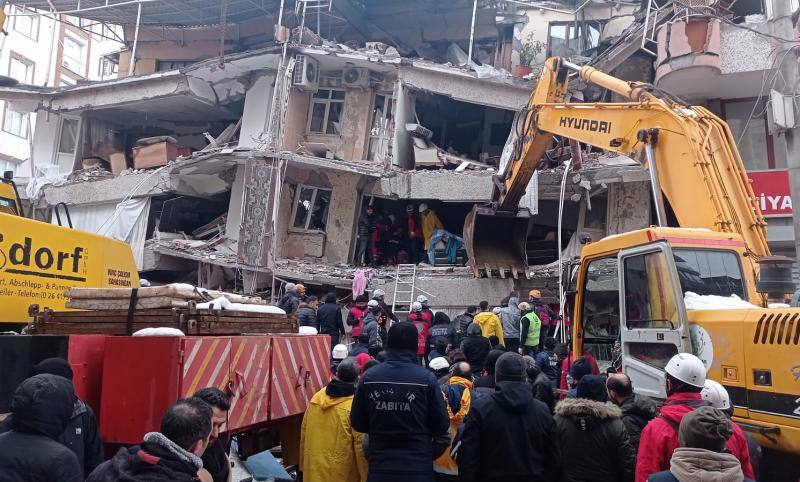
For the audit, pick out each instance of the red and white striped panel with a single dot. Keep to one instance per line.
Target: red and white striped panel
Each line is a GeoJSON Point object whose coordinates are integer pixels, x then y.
{"type": "Point", "coordinates": [250, 374]}
{"type": "Point", "coordinates": [206, 363]}
{"type": "Point", "coordinates": [301, 366]}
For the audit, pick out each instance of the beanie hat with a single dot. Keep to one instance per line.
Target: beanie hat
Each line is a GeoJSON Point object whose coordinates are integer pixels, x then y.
{"type": "Point", "coordinates": [53, 366]}
{"type": "Point", "coordinates": [580, 369]}
{"type": "Point", "coordinates": [402, 336]}
{"type": "Point", "coordinates": [509, 367]}
{"type": "Point", "coordinates": [705, 428]}
{"type": "Point", "coordinates": [474, 329]}
{"type": "Point", "coordinates": [362, 359]}
{"type": "Point", "coordinates": [593, 387]}
{"type": "Point", "coordinates": [491, 360]}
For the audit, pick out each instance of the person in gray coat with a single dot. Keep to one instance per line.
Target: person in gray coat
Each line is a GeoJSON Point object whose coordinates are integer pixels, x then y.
{"type": "Point", "coordinates": [509, 318]}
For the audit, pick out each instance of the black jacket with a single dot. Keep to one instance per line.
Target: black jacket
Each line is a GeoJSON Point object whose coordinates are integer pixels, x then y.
{"type": "Point", "coordinates": [441, 334]}
{"type": "Point", "coordinates": [462, 322]}
{"type": "Point", "coordinates": [329, 317]}
{"type": "Point", "coordinates": [289, 302]}
{"type": "Point", "coordinates": [507, 438]}
{"type": "Point", "coordinates": [41, 408]}
{"type": "Point", "coordinates": [542, 388]}
{"type": "Point", "coordinates": [476, 348]}
{"type": "Point", "coordinates": [156, 459]}
{"type": "Point", "coordinates": [637, 410]}
{"type": "Point", "coordinates": [306, 316]}
{"type": "Point", "coordinates": [216, 462]}
{"type": "Point", "coordinates": [399, 404]}
{"type": "Point", "coordinates": [593, 443]}
{"type": "Point", "coordinates": [366, 225]}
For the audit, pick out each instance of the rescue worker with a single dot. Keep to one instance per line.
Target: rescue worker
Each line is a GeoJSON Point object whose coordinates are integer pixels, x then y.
{"type": "Point", "coordinates": [458, 397]}
{"type": "Point", "coordinates": [509, 319]}
{"type": "Point", "coordinates": [173, 454]}
{"type": "Point", "coordinates": [489, 323]}
{"type": "Point", "coordinates": [355, 315]}
{"type": "Point", "coordinates": [717, 396]}
{"type": "Point", "coordinates": [29, 452]}
{"type": "Point", "coordinates": [339, 353]}
{"type": "Point", "coordinates": [441, 336]}
{"type": "Point", "coordinates": [329, 447]}
{"type": "Point", "coordinates": [366, 225]}
{"type": "Point", "coordinates": [507, 435]}
{"type": "Point", "coordinates": [329, 317]}
{"type": "Point", "coordinates": [400, 406]}
{"type": "Point", "coordinates": [421, 323]}
{"type": "Point", "coordinates": [637, 410]}
{"type": "Point", "coordinates": [430, 223]}
{"type": "Point", "coordinates": [702, 455]}
{"type": "Point", "coordinates": [307, 313]}
{"type": "Point", "coordinates": [82, 434]}
{"type": "Point", "coordinates": [548, 317]}
{"type": "Point", "coordinates": [440, 367]}
{"type": "Point", "coordinates": [530, 330]}
{"type": "Point", "coordinates": [414, 233]}
{"type": "Point", "coordinates": [685, 379]}
{"type": "Point", "coordinates": [426, 309]}
{"type": "Point", "coordinates": [476, 348]}
{"type": "Point", "coordinates": [386, 310]}
{"type": "Point", "coordinates": [215, 457]}
{"type": "Point", "coordinates": [372, 328]}
{"type": "Point", "coordinates": [593, 444]}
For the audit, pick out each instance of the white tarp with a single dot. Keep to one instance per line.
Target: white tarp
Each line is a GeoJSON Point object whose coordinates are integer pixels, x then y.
{"type": "Point", "coordinates": [693, 301]}
{"type": "Point", "coordinates": [126, 221]}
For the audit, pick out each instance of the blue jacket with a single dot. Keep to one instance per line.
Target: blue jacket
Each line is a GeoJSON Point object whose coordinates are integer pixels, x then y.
{"type": "Point", "coordinates": [400, 405]}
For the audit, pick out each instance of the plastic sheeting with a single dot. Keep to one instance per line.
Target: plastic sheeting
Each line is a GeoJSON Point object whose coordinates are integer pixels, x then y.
{"type": "Point", "coordinates": [126, 221]}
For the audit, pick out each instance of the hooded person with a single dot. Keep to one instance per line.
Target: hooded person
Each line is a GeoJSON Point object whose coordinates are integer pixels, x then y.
{"type": "Point", "coordinates": [486, 383]}
{"type": "Point", "coordinates": [509, 319]}
{"type": "Point", "coordinates": [329, 447]}
{"type": "Point", "coordinates": [172, 454]}
{"type": "Point", "coordinates": [702, 455]}
{"type": "Point", "coordinates": [82, 434]}
{"type": "Point", "coordinates": [40, 409]}
{"type": "Point", "coordinates": [507, 434]}
{"type": "Point", "coordinates": [361, 346]}
{"type": "Point", "coordinates": [637, 410]}
{"type": "Point", "coordinates": [441, 335]}
{"type": "Point", "coordinates": [685, 379]}
{"type": "Point", "coordinates": [489, 322]}
{"type": "Point", "coordinates": [593, 443]}
{"type": "Point", "coordinates": [400, 406]}
{"type": "Point", "coordinates": [371, 327]}
{"type": "Point", "coordinates": [578, 370]}
{"type": "Point", "coordinates": [476, 348]}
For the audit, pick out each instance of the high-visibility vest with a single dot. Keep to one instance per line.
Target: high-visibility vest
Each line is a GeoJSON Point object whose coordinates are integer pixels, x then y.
{"type": "Point", "coordinates": [534, 329]}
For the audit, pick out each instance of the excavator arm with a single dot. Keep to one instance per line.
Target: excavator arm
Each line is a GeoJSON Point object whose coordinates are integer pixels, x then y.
{"type": "Point", "coordinates": [690, 154]}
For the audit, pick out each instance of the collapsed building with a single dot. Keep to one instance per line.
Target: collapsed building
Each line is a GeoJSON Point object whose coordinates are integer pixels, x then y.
{"type": "Point", "coordinates": [239, 151]}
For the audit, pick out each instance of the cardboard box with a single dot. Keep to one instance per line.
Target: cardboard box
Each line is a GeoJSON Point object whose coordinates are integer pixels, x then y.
{"type": "Point", "coordinates": [154, 155]}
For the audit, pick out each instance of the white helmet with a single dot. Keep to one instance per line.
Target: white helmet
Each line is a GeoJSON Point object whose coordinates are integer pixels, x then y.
{"type": "Point", "coordinates": [378, 293]}
{"type": "Point", "coordinates": [416, 306]}
{"type": "Point", "coordinates": [373, 304]}
{"type": "Point", "coordinates": [715, 394]}
{"type": "Point", "coordinates": [339, 352]}
{"type": "Point", "coordinates": [423, 207]}
{"type": "Point", "coordinates": [422, 299]}
{"type": "Point", "coordinates": [688, 369]}
{"type": "Point", "coordinates": [439, 363]}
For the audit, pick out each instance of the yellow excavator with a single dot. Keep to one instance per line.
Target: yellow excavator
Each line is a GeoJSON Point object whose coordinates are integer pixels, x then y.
{"type": "Point", "coordinates": [39, 261]}
{"type": "Point", "coordinates": [702, 286]}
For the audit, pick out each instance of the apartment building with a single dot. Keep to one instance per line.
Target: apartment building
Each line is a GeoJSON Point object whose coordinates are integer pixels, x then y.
{"type": "Point", "coordinates": [45, 50]}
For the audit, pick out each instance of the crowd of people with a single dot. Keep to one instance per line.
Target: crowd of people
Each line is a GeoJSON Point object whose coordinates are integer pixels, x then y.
{"type": "Point", "coordinates": [491, 396]}
{"type": "Point", "coordinates": [386, 239]}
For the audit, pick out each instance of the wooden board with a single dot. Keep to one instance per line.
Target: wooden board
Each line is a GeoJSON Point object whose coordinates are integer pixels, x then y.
{"type": "Point", "coordinates": [123, 304]}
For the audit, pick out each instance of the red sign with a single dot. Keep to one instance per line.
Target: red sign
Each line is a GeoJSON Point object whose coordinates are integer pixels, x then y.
{"type": "Point", "coordinates": [772, 191]}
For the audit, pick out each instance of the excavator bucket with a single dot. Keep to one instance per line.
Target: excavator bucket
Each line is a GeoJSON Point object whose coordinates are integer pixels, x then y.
{"type": "Point", "coordinates": [495, 242]}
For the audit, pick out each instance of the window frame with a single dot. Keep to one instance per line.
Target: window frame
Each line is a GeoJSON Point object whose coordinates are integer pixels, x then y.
{"type": "Point", "coordinates": [327, 102]}
{"type": "Point", "coordinates": [12, 56]}
{"type": "Point", "coordinates": [769, 142]}
{"type": "Point", "coordinates": [745, 296]}
{"type": "Point", "coordinates": [569, 24]}
{"type": "Point", "coordinates": [35, 23]}
{"type": "Point", "coordinates": [84, 51]}
{"type": "Point", "coordinates": [24, 123]}
{"type": "Point", "coordinates": [296, 198]}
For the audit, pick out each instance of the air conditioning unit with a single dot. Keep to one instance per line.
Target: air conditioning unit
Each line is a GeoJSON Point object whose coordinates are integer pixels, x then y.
{"type": "Point", "coordinates": [306, 73]}
{"type": "Point", "coordinates": [355, 77]}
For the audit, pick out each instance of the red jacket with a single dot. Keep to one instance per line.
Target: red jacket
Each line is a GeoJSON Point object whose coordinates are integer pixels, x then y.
{"type": "Point", "coordinates": [355, 317]}
{"type": "Point", "coordinates": [423, 325]}
{"type": "Point", "coordinates": [660, 438]}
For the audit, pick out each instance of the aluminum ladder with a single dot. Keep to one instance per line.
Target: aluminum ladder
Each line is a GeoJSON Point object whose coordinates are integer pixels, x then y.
{"type": "Point", "coordinates": [405, 279]}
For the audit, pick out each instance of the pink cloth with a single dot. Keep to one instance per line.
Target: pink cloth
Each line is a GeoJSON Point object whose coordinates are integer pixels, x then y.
{"type": "Point", "coordinates": [360, 280]}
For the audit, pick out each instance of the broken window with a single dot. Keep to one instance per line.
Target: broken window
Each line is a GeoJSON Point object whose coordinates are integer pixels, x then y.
{"type": "Point", "coordinates": [15, 123]}
{"type": "Point", "coordinates": [325, 114]}
{"type": "Point", "coordinates": [566, 39]}
{"type": "Point", "coordinates": [165, 65]}
{"type": "Point", "coordinates": [311, 208]}
{"type": "Point", "coordinates": [382, 126]}
{"type": "Point", "coordinates": [74, 57]}
{"type": "Point", "coordinates": [69, 136]}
